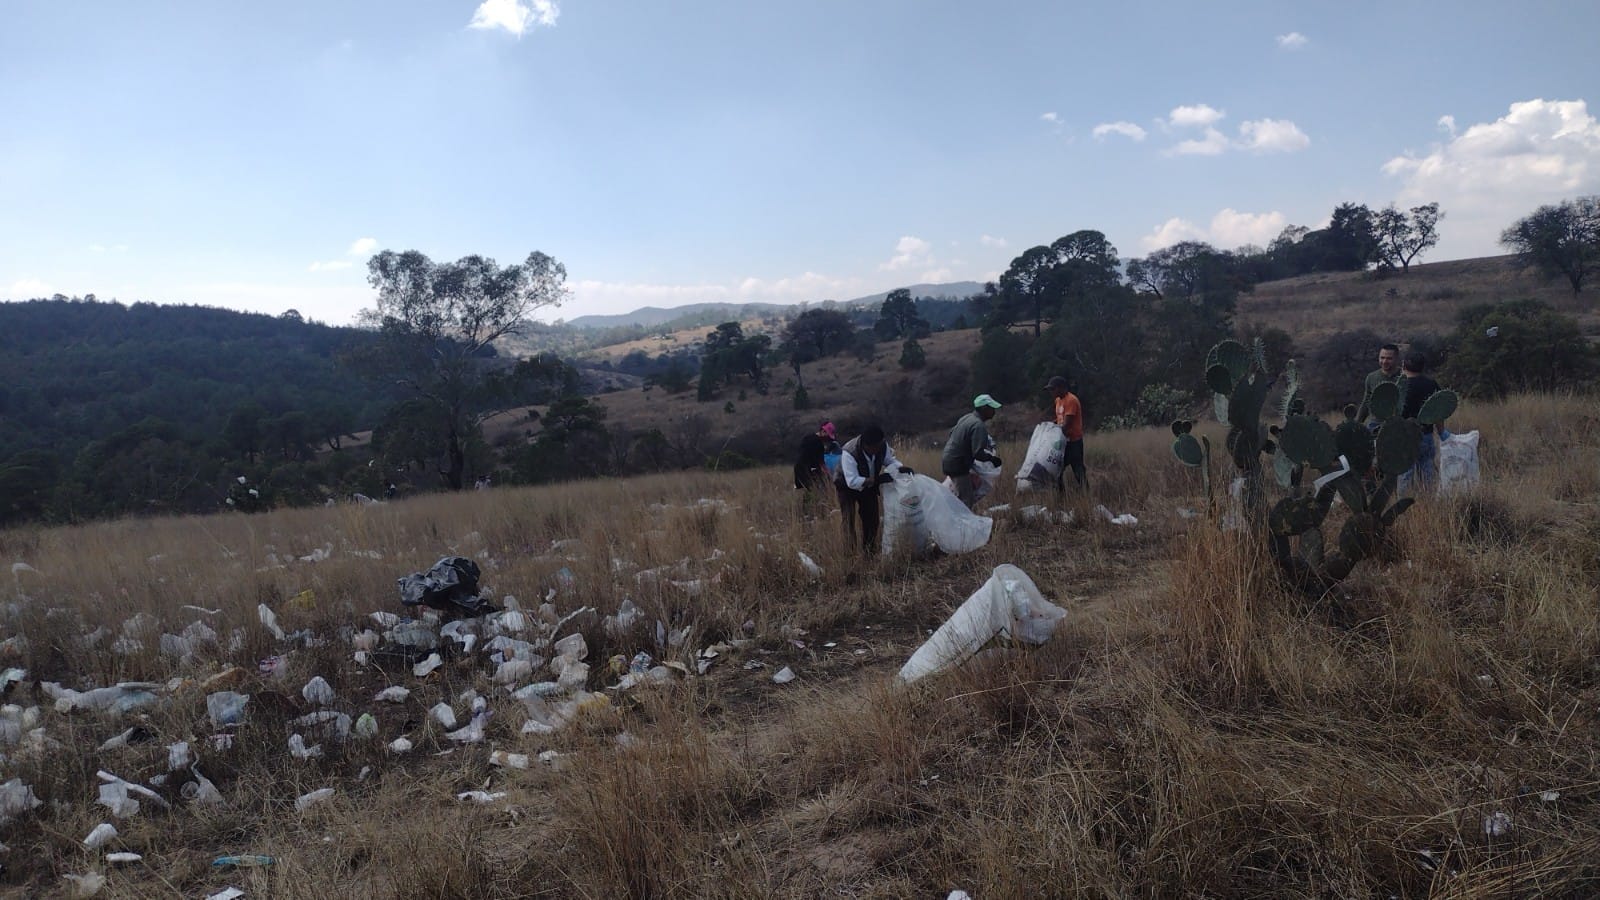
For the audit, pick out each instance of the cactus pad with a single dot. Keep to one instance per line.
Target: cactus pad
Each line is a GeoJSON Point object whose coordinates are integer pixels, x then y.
{"type": "Point", "coordinates": [1188, 450]}
{"type": "Point", "coordinates": [1385, 400]}
{"type": "Point", "coordinates": [1399, 442]}
{"type": "Point", "coordinates": [1354, 442]}
{"type": "Point", "coordinates": [1232, 354]}
{"type": "Point", "coordinates": [1439, 406]}
{"type": "Point", "coordinates": [1307, 439]}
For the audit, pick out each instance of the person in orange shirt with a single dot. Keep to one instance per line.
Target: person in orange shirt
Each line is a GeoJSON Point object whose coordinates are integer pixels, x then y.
{"type": "Point", "coordinates": [1069, 415]}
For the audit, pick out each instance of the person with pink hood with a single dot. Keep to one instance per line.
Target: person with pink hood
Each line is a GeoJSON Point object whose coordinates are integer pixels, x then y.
{"type": "Point", "coordinates": [811, 469]}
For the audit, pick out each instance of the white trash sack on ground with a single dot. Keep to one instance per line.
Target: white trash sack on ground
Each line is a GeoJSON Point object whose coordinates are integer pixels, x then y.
{"type": "Point", "coordinates": [1008, 605]}
{"type": "Point", "coordinates": [1047, 453]}
{"type": "Point", "coordinates": [1458, 462]}
{"type": "Point", "coordinates": [918, 510]}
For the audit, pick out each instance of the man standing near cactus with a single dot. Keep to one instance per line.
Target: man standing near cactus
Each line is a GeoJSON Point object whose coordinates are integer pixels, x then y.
{"type": "Point", "coordinates": [1388, 370]}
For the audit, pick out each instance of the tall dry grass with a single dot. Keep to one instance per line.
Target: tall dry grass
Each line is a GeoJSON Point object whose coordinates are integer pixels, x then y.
{"type": "Point", "coordinates": [1191, 730]}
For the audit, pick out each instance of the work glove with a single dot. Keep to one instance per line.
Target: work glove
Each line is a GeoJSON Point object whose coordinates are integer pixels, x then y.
{"type": "Point", "coordinates": [906, 470]}
{"type": "Point", "coordinates": [885, 478]}
{"type": "Point", "coordinates": [996, 460]}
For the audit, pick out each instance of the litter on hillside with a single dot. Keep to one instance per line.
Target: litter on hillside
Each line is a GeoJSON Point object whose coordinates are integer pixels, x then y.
{"type": "Point", "coordinates": [1458, 462]}
{"type": "Point", "coordinates": [1008, 605]}
{"type": "Point", "coordinates": [451, 586]}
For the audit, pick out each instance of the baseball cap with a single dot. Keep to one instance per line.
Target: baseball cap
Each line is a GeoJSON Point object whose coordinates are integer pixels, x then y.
{"type": "Point", "coordinates": [828, 429]}
{"type": "Point", "coordinates": [983, 400]}
{"type": "Point", "coordinates": [1056, 381]}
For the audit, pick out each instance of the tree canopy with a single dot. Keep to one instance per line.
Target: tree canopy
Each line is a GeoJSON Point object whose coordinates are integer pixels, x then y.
{"type": "Point", "coordinates": [1561, 240]}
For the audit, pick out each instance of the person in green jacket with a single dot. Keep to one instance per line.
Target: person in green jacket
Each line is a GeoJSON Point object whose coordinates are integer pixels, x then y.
{"type": "Point", "coordinates": [970, 443]}
{"type": "Point", "coordinates": [1388, 370]}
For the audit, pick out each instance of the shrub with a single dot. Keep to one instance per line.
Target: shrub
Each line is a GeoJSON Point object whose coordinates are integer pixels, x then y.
{"type": "Point", "coordinates": [1518, 345]}
{"type": "Point", "coordinates": [1158, 404]}
{"type": "Point", "coordinates": [912, 356]}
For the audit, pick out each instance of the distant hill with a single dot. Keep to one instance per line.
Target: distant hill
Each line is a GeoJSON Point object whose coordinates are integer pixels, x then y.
{"type": "Point", "coordinates": [695, 314]}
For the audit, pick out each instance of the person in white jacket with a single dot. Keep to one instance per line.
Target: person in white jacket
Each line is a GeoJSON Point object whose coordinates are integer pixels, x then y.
{"type": "Point", "coordinates": [865, 465]}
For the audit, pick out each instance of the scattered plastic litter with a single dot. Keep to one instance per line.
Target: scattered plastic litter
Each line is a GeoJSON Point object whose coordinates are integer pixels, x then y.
{"type": "Point", "coordinates": [425, 668]}
{"type": "Point", "coordinates": [249, 861]}
{"type": "Point", "coordinates": [1497, 824]}
{"type": "Point", "coordinates": [201, 790]}
{"type": "Point", "coordinates": [318, 692]}
{"type": "Point", "coordinates": [366, 726]}
{"type": "Point", "coordinates": [443, 714]}
{"type": "Point", "coordinates": [396, 694]}
{"type": "Point", "coordinates": [269, 620]}
{"type": "Point", "coordinates": [123, 858]}
{"type": "Point", "coordinates": [400, 745]}
{"type": "Point", "coordinates": [810, 565]}
{"type": "Point", "coordinates": [231, 893]}
{"type": "Point", "coordinates": [306, 801]}
{"type": "Point", "coordinates": [123, 697]}
{"type": "Point", "coordinates": [509, 760]}
{"type": "Point", "coordinates": [1549, 796]}
{"type": "Point", "coordinates": [299, 750]}
{"type": "Point", "coordinates": [226, 708]}
{"type": "Point", "coordinates": [483, 797]}
{"type": "Point", "coordinates": [1008, 605]}
{"type": "Point", "coordinates": [1123, 519]}
{"type": "Point", "coordinates": [783, 676]}
{"type": "Point", "coordinates": [86, 885]}
{"type": "Point", "coordinates": [179, 756]}
{"type": "Point", "coordinates": [450, 586]}
{"type": "Point", "coordinates": [103, 834]}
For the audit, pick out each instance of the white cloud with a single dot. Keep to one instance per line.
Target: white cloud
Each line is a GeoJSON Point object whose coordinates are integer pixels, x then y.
{"type": "Point", "coordinates": [1126, 129]}
{"type": "Point", "coordinates": [363, 247]}
{"type": "Point", "coordinates": [1448, 124]}
{"type": "Point", "coordinates": [992, 242]}
{"type": "Point", "coordinates": [1213, 143]}
{"type": "Point", "coordinates": [29, 289]}
{"type": "Point", "coordinates": [1492, 173]}
{"type": "Point", "coordinates": [1198, 115]}
{"type": "Point", "coordinates": [1294, 40]}
{"type": "Point", "coordinates": [908, 252]}
{"type": "Point", "coordinates": [1228, 229]}
{"type": "Point", "coordinates": [332, 265]}
{"type": "Point", "coordinates": [935, 276]}
{"type": "Point", "coordinates": [515, 16]}
{"type": "Point", "coordinates": [1272, 136]}
{"type": "Point", "coordinates": [1050, 117]}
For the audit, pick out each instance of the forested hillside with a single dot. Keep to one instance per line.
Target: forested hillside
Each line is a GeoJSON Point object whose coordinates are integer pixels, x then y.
{"type": "Point", "coordinates": [101, 402]}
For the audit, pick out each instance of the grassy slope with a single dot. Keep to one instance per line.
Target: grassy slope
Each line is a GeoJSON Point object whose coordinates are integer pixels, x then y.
{"type": "Point", "coordinates": [1190, 731]}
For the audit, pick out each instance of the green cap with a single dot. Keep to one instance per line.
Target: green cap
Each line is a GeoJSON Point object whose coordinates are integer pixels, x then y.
{"type": "Point", "coordinates": [983, 400]}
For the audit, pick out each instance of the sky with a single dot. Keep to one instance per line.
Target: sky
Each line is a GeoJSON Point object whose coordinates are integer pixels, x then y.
{"type": "Point", "coordinates": [253, 156]}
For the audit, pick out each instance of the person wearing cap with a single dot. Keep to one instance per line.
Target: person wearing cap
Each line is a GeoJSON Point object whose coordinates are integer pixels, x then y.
{"type": "Point", "coordinates": [864, 468]}
{"type": "Point", "coordinates": [811, 468]}
{"type": "Point", "coordinates": [1068, 415]}
{"type": "Point", "coordinates": [970, 443]}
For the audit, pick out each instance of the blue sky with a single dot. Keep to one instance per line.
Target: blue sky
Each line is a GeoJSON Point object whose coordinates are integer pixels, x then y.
{"type": "Point", "coordinates": [252, 155]}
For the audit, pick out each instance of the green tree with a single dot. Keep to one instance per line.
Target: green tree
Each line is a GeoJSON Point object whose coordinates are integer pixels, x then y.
{"type": "Point", "coordinates": [243, 433]}
{"type": "Point", "coordinates": [898, 318]}
{"type": "Point", "coordinates": [912, 356]}
{"type": "Point", "coordinates": [438, 323]}
{"type": "Point", "coordinates": [1561, 241]}
{"type": "Point", "coordinates": [999, 366]}
{"type": "Point", "coordinates": [1402, 236]}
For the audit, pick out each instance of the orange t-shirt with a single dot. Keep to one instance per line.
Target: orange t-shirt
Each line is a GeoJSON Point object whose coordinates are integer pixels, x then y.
{"type": "Point", "coordinates": [1069, 415]}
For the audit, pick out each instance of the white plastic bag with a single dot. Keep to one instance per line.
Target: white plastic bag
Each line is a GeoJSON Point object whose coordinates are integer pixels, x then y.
{"type": "Point", "coordinates": [987, 475]}
{"type": "Point", "coordinates": [1047, 452]}
{"type": "Point", "coordinates": [903, 521]}
{"type": "Point", "coordinates": [918, 511]}
{"type": "Point", "coordinates": [1458, 462]}
{"type": "Point", "coordinates": [1008, 605]}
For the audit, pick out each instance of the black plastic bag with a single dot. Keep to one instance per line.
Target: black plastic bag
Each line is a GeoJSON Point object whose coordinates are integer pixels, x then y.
{"type": "Point", "coordinates": [451, 585]}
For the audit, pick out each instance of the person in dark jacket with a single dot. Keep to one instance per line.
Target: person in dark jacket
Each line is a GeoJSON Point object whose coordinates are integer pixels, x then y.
{"type": "Point", "coordinates": [811, 467]}
{"type": "Point", "coordinates": [865, 465]}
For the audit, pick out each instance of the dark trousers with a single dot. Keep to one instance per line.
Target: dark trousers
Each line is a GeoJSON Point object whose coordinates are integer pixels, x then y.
{"type": "Point", "coordinates": [869, 506]}
{"type": "Point", "coordinates": [1072, 458]}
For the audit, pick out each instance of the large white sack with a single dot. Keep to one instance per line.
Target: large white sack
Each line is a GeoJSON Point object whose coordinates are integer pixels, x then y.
{"type": "Point", "coordinates": [1008, 605]}
{"type": "Point", "coordinates": [918, 510]}
{"type": "Point", "coordinates": [1047, 452]}
{"type": "Point", "coordinates": [1458, 462]}
{"type": "Point", "coordinates": [904, 521]}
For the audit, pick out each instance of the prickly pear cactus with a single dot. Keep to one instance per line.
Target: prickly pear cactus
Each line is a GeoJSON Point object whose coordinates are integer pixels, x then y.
{"type": "Point", "coordinates": [1351, 463]}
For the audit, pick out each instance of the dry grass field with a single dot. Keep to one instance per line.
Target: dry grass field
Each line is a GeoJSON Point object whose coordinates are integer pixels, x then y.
{"type": "Point", "coordinates": [1424, 301]}
{"type": "Point", "coordinates": [1430, 730]}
